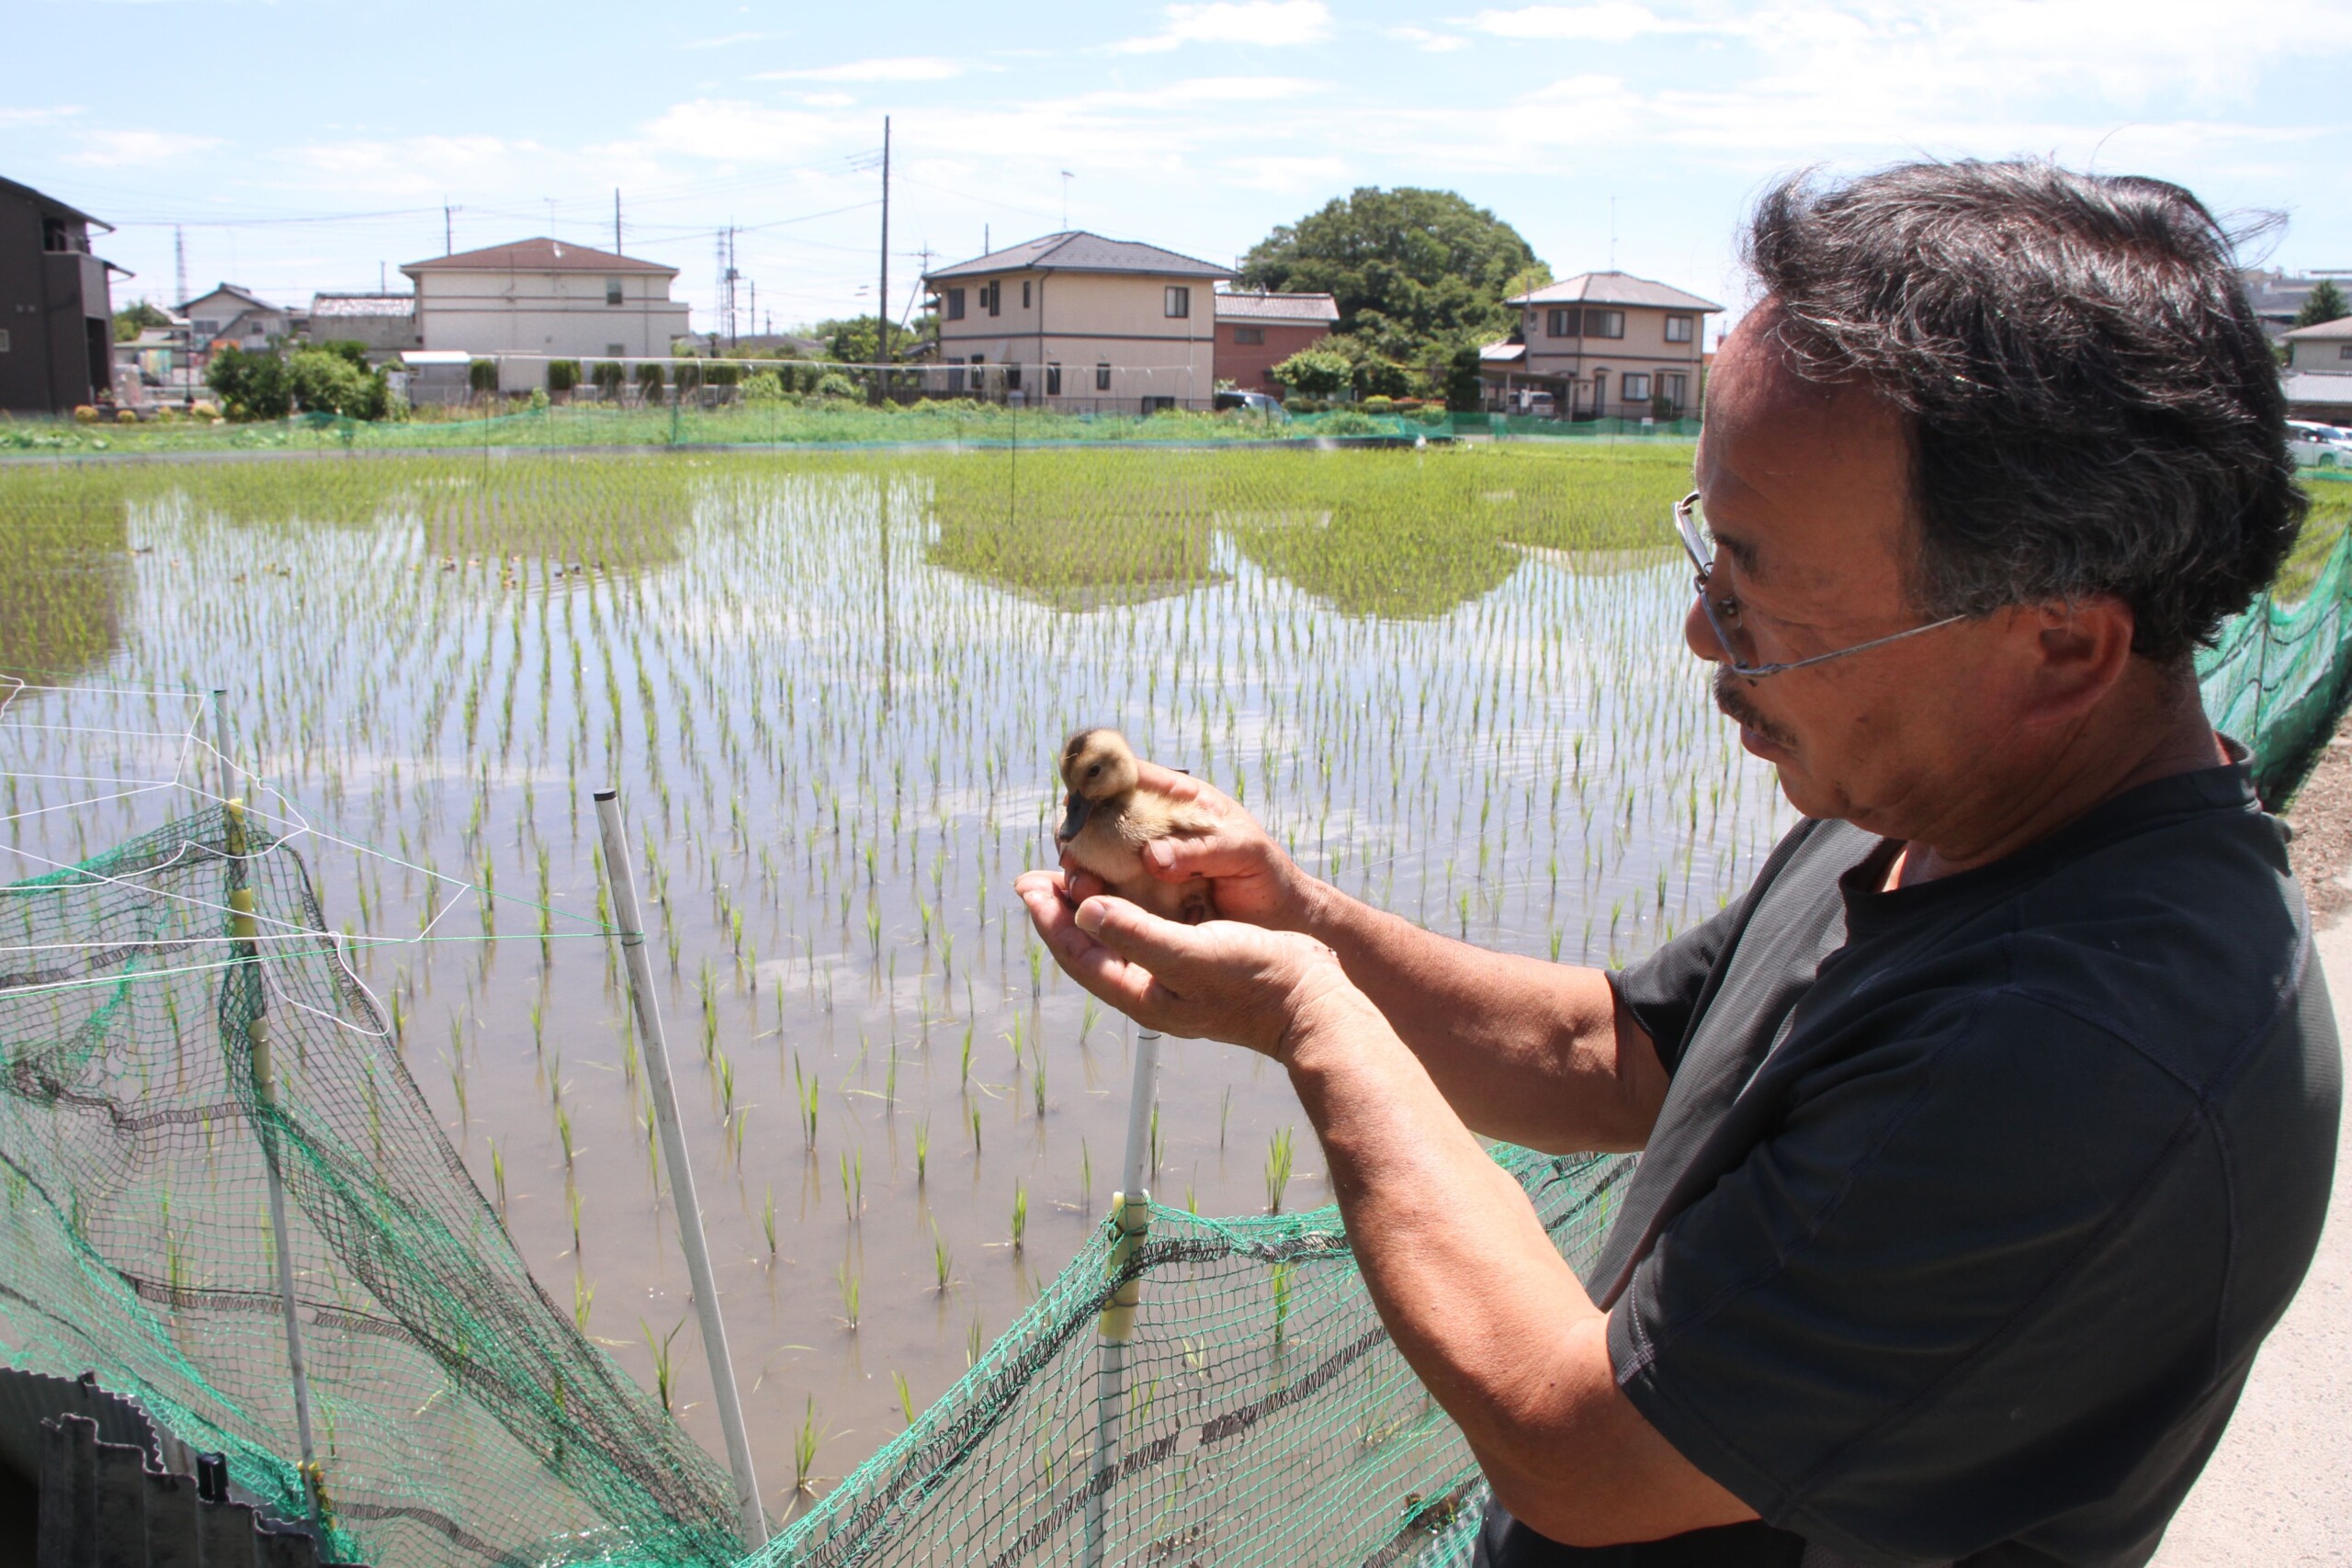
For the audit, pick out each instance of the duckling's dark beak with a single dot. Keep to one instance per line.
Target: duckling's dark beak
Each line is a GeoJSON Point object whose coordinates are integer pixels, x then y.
{"type": "Point", "coordinates": [1074, 818]}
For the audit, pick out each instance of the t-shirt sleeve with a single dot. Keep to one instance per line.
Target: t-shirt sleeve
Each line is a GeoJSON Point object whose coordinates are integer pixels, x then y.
{"type": "Point", "coordinates": [1662, 990]}
{"type": "Point", "coordinates": [1944, 1300]}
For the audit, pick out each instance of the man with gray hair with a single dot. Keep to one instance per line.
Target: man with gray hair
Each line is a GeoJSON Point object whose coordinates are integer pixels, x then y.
{"type": "Point", "coordinates": [1987, 1134]}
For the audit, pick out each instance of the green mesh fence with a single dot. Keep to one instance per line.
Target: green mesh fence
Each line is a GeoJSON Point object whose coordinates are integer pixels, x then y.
{"type": "Point", "coordinates": [460, 1417]}
{"type": "Point", "coordinates": [2278, 677]}
{"type": "Point", "coordinates": [1248, 1409]}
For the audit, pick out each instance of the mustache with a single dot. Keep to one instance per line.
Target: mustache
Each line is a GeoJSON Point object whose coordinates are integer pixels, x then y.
{"type": "Point", "coordinates": [1734, 705]}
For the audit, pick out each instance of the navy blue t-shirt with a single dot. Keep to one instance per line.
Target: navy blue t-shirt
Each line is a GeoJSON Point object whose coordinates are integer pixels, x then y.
{"type": "Point", "coordinates": [1968, 1202]}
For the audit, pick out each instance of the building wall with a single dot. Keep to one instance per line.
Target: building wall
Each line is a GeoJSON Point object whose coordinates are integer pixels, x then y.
{"type": "Point", "coordinates": [2320, 354]}
{"type": "Point", "coordinates": [557, 315]}
{"type": "Point", "coordinates": [48, 300]}
{"type": "Point", "coordinates": [1080, 320]}
{"type": "Point", "coordinates": [1250, 366]}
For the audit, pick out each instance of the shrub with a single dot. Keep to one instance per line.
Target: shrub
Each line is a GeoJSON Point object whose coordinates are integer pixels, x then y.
{"type": "Point", "coordinates": [649, 380]}
{"type": "Point", "coordinates": [126, 416]}
{"type": "Point", "coordinates": [349, 349]}
{"type": "Point", "coordinates": [481, 375]}
{"type": "Point", "coordinates": [1315, 373]}
{"type": "Point", "coordinates": [324, 382]}
{"type": "Point", "coordinates": [1350, 421]}
{"type": "Point", "coordinates": [609, 377]}
{"type": "Point", "coordinates": [1379, 404]}
{"type": "Point", "coordinates": [203, 408]}
{"type": "Point", "coordinates": [724, 373]}
{"type": "Point", "coordinates": [254, 386]}
{"type": "Point", "coordinates": [563, 375]}
{"type": "Point", "coordinates": [690, 378]}
{"type": "Point", "coordinates": [834, 384]}
{"type": "Point", "coordinates": [762, 387]}
{"type": "Point", "coordinates": [86, 414]}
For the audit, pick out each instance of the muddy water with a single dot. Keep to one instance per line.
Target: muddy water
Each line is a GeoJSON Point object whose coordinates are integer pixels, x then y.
{"type": "Point", "coordinates": [834, 756]}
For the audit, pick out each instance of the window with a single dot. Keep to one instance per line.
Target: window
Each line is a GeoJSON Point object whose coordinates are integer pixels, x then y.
{"type": "Point", "coordinates": [1013, 376]}
{"type": "Point", "coordinates": [1604, 324]}
{"type": "Point", "coordinates": [1053, 380]}
{"type": "Point", "coordinates": [992, 295]}
{"type": "Point", "coordinates": [1563, 323]}
{"type": "Point", "coordinates": [954, 304]}
{"type": "Point", "coordinates": [206, 327]}
{"type": "Point", "coordinates": [2345, 353]}
{"type": "Point", "coordinates": [1024, 294]}
{"type": "Point", "coordinates": [1249, 334]}
{"type": "Point", "coordinates": [1675, 390]}
{"type": "Point", "coordinates": [614, 350]}
{"type": "Point", "coordinates": [52, 235]}
{"type": "Point", "coordinates": [1678, 328]}
{"type": "Point", "coordinates": [1637, 388]}
{"type": "Point", "coordinates": [4, 340]}
{"type": "Point", "coordinates": [1158, 405]}
{"type": "Point", "coordinates": [1102, 378]}
{"type": "Point", "coordinates": [612, 292]}
{"type": "Point", "coordinates": [954, 377]}
{"type": "Point", "coordinates": [1178, 302]}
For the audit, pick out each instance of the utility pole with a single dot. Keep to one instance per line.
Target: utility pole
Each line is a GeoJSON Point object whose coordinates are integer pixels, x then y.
{"type": "Point", "coordinates": [448, 244]}
{"type": "Point", "coordinates": [179, 259]}
{"type": "Point", "coordinates": [616, 220]}
{"type": "Point", "coordinates": [882, 298]}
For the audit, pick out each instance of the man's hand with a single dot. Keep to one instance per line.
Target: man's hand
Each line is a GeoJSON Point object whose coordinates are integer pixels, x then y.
{"type": "Point", "coordinates": [1221, 980]}
{"type": "Point", "coordinates": [1249, 876]}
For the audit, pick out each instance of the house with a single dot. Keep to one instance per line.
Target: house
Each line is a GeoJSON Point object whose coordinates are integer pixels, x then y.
{"type": "Point", "coordinates": [525, 303]}
{"type": "Point", "coordinates": [231, 317]}
{"type": "Point", "coordinates": [384, 323]}
{"type": "Point", "coordinates": [1077, 322]}
{"type": "Point", "coordinates": [2326, 349]}
{"type": "Point", "coordinates": [1601, 344]}
{"type": "Point", "coordinates": [56, 306]}
{"type": "Point", "coordinates": [1257, 332]}
{"type": "Point", "coordinates": [2277, 297]}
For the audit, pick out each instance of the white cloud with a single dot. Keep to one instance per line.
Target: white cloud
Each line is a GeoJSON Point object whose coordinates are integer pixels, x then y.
{"type": "Point", "coordinates": [826, 100]}
{"type": "Point", "coordinates": [727, 41]}
{"type": "Point", "coordinates": [1608, 21]}
{"type": "Point", "coordinates": [418, 165]}
{"type": "Point", "coordinates": [37, 116]}
{"type": "Point", "coordinates": [1426, 41]}
{"type": "Point", "coordinates": [731, 129]}
{"type": "Point", "coordinates": [1288, 173]}
{"type": "Point", "coordinates": [120, 149]}
{"type": "Point", "coordinates": [1271, 23]}
{"type": "Point", "coordinates": [897, 68]}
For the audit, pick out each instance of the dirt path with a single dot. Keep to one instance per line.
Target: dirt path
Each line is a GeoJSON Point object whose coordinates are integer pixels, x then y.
{"type": "Point", "coordinates": [2279, 1490]}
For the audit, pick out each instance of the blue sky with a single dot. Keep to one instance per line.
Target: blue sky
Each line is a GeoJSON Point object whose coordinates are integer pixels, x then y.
{"type": "Point", "coordinates": [301, 145]}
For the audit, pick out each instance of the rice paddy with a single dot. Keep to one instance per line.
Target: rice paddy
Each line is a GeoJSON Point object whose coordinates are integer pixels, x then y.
{"type": "Point", "coordinates": [831, 689]}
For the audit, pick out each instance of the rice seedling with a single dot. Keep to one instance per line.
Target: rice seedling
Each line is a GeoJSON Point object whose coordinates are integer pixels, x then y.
{"type": "Point", "coordinates": [805, 1443]}
{"type": "Point", "coordinates": [851, 1287]}
{"type": "Point", "coordinates": [943, 1261]}
{"type": "Point", "coordinates": [1278, 1158]}
{"type": "Point", "coordinates": [1019, 1216]}
{"type": "Point", "coordinates": [664, 1370]}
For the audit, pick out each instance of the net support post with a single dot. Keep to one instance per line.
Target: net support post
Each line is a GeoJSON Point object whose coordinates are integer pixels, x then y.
{"type": "Point", "coordinates": [621, 877]}
{"type": "Point", "coordinates": [1131, 1215]}
{"type": "Point", "coordinates": [246, 945]}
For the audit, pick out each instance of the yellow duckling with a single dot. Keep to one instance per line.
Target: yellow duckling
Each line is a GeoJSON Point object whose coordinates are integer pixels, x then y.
{"type": "Point", "coordinates": [1110, 816]}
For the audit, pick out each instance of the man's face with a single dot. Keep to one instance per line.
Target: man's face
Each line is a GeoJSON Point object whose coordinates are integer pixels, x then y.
{"type": "Point", "coordinates": [1807, 490]}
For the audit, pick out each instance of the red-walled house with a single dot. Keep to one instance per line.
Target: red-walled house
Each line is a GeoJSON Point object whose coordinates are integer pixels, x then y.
{"type": "Point", "coordinates": [1257, 332]}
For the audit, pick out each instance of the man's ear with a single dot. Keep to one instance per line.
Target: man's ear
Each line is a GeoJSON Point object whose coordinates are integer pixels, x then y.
{"type": "Point", "coordinates": [2080, 649]}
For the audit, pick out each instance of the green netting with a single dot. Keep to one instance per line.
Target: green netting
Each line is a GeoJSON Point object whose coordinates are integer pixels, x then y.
{"type": "Point", "coordinates": [2278, 676]}
{"type": "Point", "coordinates": [1260, 1412]}
{"type": "Point", "coordinates": [460, 1418]}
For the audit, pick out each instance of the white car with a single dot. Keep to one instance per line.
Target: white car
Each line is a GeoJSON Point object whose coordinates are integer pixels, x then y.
{"type": "Point", "coordinates": [2316, 446]}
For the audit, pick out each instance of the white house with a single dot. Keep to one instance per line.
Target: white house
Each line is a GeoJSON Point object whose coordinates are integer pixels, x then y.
{"type": "Point", "coordinates": [2326, 348]}
{"type": "Point", "coordinates": [1077, 322]}
{"type": "Point", "coordinates": [1602, 344]}
{"type": "Point", "coordinates": [384, 323]}
{"type": "Point", "coordinates": [541, 299]}
{"type": "Point", "coordinates": [229, 317]}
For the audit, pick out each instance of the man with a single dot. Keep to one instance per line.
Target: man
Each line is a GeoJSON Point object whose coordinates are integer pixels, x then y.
{"type": "Point", "coordinates": [1987, 1134]}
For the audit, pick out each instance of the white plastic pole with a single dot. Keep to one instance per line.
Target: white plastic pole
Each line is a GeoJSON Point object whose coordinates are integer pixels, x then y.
{"type": "Point", "coordinates": [622, 879]}
{"type": "Point", "coordinates": [1131, 1212]}
{"type": "Point", "coordinates": [245, 934]}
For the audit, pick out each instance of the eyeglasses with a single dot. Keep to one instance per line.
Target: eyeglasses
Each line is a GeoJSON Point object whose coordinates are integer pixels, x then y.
{"type": "Point", "coordinates": [1722, 613]}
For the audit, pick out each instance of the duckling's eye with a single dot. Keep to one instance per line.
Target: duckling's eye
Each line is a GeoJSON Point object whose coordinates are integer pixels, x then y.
{"type": "Point", "coordinates": [1094, 770]}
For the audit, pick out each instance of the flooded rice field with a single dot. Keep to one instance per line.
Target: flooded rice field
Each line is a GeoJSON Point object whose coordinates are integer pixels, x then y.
{"type": "Point", "coordinates": [830, 692]}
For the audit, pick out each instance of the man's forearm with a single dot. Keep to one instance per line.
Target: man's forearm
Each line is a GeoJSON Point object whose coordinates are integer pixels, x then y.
{"type": "Point", "coordinates": [1524, 1050]}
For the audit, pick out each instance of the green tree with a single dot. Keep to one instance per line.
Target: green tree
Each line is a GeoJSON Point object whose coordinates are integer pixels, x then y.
{"type": "Point", "coordinates": [326, 382]}
{"type": "Point", "coordinates": [1319, 372]}
{"type": "Point", "coordinates": [2323, 303]}
{"type": "Point", "coordinates": [1419, 274]}
{"type": "Point", "coordinates": [130, 322]}
{"type": "Point", "coordinates": [857, 341]}
{"type": "Point", "coordinates": [251, 386]}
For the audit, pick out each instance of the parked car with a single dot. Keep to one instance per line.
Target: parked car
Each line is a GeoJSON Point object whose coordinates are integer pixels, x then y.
{"type": "Point", "coordinates": [2316, 446]}
{"type": "Point", "coordinates": [1534, 405]}
{"type": "Point", "coordinates": [1251, 402]}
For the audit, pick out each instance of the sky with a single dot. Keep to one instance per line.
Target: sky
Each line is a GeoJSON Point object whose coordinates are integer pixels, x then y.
{"type": "Point", "coordinates": [314, 144]}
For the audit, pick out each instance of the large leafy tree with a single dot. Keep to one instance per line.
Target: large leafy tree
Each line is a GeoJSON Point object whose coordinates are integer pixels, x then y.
{"type": "Point", "coordinates": [2324, 303]}
{"type": "Point", "coordinates": [1418, 274]}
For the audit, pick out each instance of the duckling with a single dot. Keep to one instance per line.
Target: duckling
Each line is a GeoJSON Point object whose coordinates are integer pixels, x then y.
{"type": "Point", "coordinates": [1110, 816]}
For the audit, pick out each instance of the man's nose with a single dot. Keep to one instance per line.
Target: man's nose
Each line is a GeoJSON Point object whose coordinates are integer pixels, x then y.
{"type": "Point", "coordinates": [1699, 633]}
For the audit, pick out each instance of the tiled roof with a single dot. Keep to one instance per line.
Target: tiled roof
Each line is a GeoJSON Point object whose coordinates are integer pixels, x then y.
{"type": "Point", "coordinates": [1502, 354]}
{"type": "Point", "coordinates": [538, 255]}
{"type": "Point", "coordinates": [1080, 251]}
{"type": "Point", "coordinates": [2340, 327]}
{"type": "Point", "coordinates": [1277, 307]}
{"type": "Point", "coordinates": [252, 299]}
{"type": "Point", "coordinates": [2331, 387]}
{"type": "Point", "coordinates": [1615, 288]}
{"type": "Point", "coordinates": [357, 305]}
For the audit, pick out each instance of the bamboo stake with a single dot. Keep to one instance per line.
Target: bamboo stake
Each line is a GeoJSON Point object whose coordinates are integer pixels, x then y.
{"type": "Point", "coordinates": [1130, 1212]}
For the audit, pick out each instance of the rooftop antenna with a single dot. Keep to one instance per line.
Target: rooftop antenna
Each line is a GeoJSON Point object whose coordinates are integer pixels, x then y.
{"type": "Point", "coordinates": [448, 244]}
{"type": "Point", "coordinates": [179, 259]}
{"type": "Point", "coordinates": [1066, 177]}
{"type": "Point", "coordinates": [1613, 233]}
{"type": "Point", "coordinates": [616, 220]}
